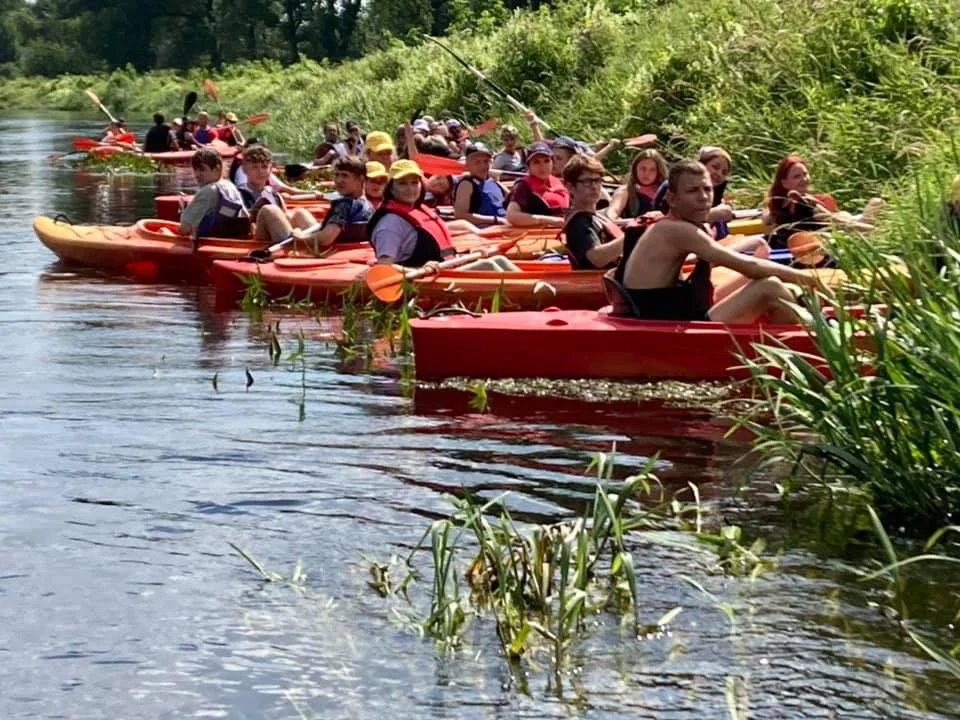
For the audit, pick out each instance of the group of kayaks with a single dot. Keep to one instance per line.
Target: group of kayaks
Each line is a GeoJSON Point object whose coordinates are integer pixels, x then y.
{"type": "Point", "coordinates": [556, 327]}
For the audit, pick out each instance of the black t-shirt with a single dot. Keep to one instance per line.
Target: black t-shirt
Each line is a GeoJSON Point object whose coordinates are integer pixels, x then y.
{"type": "Point", "coordinates": [158, 139]}
{"type": "Point", "coordinates": [583, 232]}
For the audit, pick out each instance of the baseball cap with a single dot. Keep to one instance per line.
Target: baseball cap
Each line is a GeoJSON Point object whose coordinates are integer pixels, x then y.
{"type": "Point", "coordinates": [378, 141]}
{"type": "Point", "coordinates": [474, 148]}
{"type": "Point", "coordinates": [539, 148]}
{"type": "Point", "coordinates": [232, 117]}
{"type": "Point", "coordinates": [376, 170]}
{"type": "Point", "coordinates": [405, 168]}
{"type": "Point", "coordinates": [421, 125]}
{"type": "Point", "coordinates": [453, 123]}
{"type": "Point", "coordinates": [566, 142]}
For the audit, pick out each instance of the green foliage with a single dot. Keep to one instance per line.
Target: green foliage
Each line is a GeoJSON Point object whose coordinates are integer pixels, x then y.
{"type": "Point", "coordinates": [890, 433]}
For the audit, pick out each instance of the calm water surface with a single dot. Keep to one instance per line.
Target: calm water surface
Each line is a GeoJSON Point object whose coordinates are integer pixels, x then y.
{"type": "Point", "coordinates": [125, 475]}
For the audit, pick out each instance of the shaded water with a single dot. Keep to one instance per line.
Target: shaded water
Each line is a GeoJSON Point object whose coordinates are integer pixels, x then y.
{"type": "Point", "coordinates": [125, 475]}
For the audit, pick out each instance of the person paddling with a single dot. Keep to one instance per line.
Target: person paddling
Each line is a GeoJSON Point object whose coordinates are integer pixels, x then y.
{"type": "Point", "coordinates": [203, 133]}
{"type": "Point", "coordinates": [593, 241]}
{"type": "Point", "coordinates": [346, 220]}
{"type": "Point", "coordinates": [538, 198]}
{"type": "Point", "coordinates": [403, 230]}
{"type": "Point", "coordinates": [160, 137]}
{"type": "Point", "coordinates": [217, 209]}
{"type": "Point", "coordinates": [650, 270]}
{"type": "Point", "coordinates": [229, 132]}
{"type": "Point", "coordinates": [635, 198]}
{"type": "Point", "coordinates": [266, 207]}
{"type": "Point", "coordinates": [478, 197]}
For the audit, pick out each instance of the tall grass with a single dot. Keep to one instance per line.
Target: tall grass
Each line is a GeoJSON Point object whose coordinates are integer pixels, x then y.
{"type": "Point", "coordinates": [884, 421]}
{"type": "Point", "coordinates": [859, 86]}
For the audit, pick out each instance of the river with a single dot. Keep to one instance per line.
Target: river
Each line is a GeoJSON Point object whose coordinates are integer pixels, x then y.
{"type": "Point", "coordinates": [125, 474]}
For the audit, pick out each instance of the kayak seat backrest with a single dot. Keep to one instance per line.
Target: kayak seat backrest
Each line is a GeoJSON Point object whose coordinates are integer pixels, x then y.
{"type": "Point", "coordinates": [621, 303]}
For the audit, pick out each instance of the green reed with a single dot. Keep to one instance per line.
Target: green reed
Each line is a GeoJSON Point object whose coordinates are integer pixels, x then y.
{"type": "Point", "coordinates": [120, 163]}
{"type": "Point", "coordinates": [541, 584]}
{"type": "Point", "coordinates": [880, 419]}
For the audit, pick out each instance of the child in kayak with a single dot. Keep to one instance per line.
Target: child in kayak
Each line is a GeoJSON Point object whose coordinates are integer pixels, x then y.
{"type": "Point", "coordinates": [203, 134]}
{"type": "Point", "coordinates": [380, 148]}
{"type": "Point", "coordinates": [635, 197]}
{"type": "Point", "coordinates": [478, 197]}
{"type": "Point", "coordinates": [346, 220]}
{"type": "Point", "coordinates": [593, 241]}
{"type": "Point", "coordinates": [217, 210]}
{"type": "Point", "coordinates": [263, 202]}
{"type": "Point", "coordinates": [650, 272]}
{"type": "Point", "coordinates": [791, 208]}
{"type": "Point", "coordinates": [538, 198]}
{"type": "Point", "coordinates": [376, 181]}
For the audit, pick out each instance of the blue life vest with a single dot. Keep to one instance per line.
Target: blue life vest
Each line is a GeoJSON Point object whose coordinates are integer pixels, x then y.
{"type": "Point", "coordinates": [487, 197]}
{"type": "Point", "coordinates": [202, 136]}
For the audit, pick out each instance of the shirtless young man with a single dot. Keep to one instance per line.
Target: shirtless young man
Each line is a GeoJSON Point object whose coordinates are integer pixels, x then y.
{"type": "Point", "coordinates": [651, 271]}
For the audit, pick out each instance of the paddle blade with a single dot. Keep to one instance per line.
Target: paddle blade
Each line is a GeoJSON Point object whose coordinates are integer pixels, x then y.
{"type": "Point", "coordinates": [255, 119]}
{"type": "Point", "coordinates": [211, 90]}
{"type": "Point", "coordinates": [293, 171]}
{"type": "Point", "coordinates": [84, 144]}
{"type": "Point", "coordinates": [93, 97]}
{"type": "Point", "coordinates": [436, 165]}
{"type": "Point", "coordinates": [640, 140]}
{"type": "Point", "coordinates": [484, 128]}
{"type": "Point", "coordinates": [806, 248]}
{"type": "Point", "coordinates": [827, 201]}
{"type": "Point", "coordinates": [188, 102]}
{"type": "Point", "coordinates": [385, 282]}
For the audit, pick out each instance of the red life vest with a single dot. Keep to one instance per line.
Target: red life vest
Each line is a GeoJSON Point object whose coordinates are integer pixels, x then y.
{"type": "Point", "coordinates": [433, 237]}
{"type": "Point", "coordinates": [550, 197]}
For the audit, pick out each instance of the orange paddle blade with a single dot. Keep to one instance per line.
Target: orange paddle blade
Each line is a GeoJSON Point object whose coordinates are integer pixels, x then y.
{"type": "Point", "coordinates": [211, 90]}
{"type": "Point", "coordinates": [436, 165]}
{"type": "Point", "coordinates": [640, 140]}
{"type": "Point", "coordinates": [827, 201]}
{"type": "Point", "coordinates": [84, 144]}
{"type": "Point", "coordinates": [484, 128]}
{"type": "Point", "coordinates": [255, 119]}
{"type": "Point", "coordinates": [806, 248]}
{"type": "Point", "coordinates": [385, 282]}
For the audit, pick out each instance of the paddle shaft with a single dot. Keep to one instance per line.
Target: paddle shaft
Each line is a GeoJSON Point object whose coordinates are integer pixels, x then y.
{"type": "Point", "coordinates": [96, 101]}
{"type": "Point", "coordinates": [517, 105]}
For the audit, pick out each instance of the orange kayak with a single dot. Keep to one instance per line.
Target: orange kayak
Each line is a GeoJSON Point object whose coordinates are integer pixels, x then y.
{"type": "Point", "coordinates": [179, 157]}
{"type": "Point", "coordinates": [324, 280]}
{"type": "Point", "coordinates": [168, 207]}
{"type": "Point", "coordinates": [148, 250]}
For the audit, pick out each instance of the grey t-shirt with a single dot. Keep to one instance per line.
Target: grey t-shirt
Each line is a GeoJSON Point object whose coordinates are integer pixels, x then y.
{"type": "Point", "coordinates": [395, 238]}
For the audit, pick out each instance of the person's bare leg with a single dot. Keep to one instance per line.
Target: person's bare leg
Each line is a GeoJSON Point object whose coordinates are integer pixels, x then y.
{"type": "Point", "coordinates": [767, 297]}
{"type": "Point", "coordinates": [302, 219]}
{"type": "Point", "coordinates": [272, 224]}
{"type": "Point", "coordinates": [761, 250]}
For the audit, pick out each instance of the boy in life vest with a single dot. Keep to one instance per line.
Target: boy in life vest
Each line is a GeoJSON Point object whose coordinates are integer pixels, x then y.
{"type": "Point", "coordinates": [346, 220]}
{"type": "Point", "coordinates": [203, 134]}
{"type": "Point", "coordinates": [217, 209]}
{"type": "Point", "coordinates": [267, 209]}
{"type": "Point", "coordinates": [593, 241]}
{"type": "Point", "coordinates": [478, 197]}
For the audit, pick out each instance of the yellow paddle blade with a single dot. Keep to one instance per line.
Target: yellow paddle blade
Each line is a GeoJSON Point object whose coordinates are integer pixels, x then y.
{"type": "Point", "coordinates": [385, 282]}
{"type": "Point", "coordinates": [93, 96]}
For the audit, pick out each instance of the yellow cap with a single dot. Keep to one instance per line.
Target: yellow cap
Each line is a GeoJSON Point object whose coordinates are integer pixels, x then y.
{"type": "Point", "coordinates": [232, 117]}
{"type": "Point", "coordinates": [379, 141]}
{"type": "Point", "coordinates": [376, 170]}
{"type": "Point", "coordinates": [405, 168]}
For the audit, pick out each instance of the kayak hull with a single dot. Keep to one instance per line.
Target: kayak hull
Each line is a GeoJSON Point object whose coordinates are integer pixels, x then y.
{"type": "Point", "coordinates": [588, 344]}
{"type": "Point", "coordinates": [168, 207]}
{"type": "Point", "coordinates": [324, 281]}
{"type": "Point", "coordinates": [147, 251]}
{"type": "Point", "coordinates": [179, 157]}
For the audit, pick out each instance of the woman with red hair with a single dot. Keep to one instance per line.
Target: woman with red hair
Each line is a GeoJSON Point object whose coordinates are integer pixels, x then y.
{"type": "Point", "coordinates": [791, 208]}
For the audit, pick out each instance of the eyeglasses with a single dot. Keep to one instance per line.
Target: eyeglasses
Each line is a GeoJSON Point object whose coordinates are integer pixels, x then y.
{"type": "Point", "coordinates": [590, 182]}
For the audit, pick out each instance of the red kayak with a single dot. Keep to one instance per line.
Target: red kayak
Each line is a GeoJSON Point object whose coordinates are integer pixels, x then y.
{"type": "Point", "coordinates": [589, 344]}
{"type": "Point", "coordinates": [179, 157]}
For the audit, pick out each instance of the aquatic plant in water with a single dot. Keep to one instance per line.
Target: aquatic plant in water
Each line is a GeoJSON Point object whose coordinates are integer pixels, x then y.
{"type": "Point", "coordinates": [117, 163]}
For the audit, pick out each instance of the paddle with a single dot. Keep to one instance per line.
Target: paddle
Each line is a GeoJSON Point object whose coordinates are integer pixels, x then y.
{"type": "Point", "coordinates": [484, 128]}
{"type": "Point", "coordinates": [213, 92]}
{"type": "Point", "coordinates": [386, 281]}
{"type": "Point", "coordinates": [517, 105]}
{"type": "Point", "coordinates": [96, 101]}
{"type": "Point", "coordinates": [806, 248]}
{"type": "Point", "coordinates": [84, 144]}
{"type": "Point", "coordinates": [254, 120]}
{"type": "Point", "coordinates": [640, 140]}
